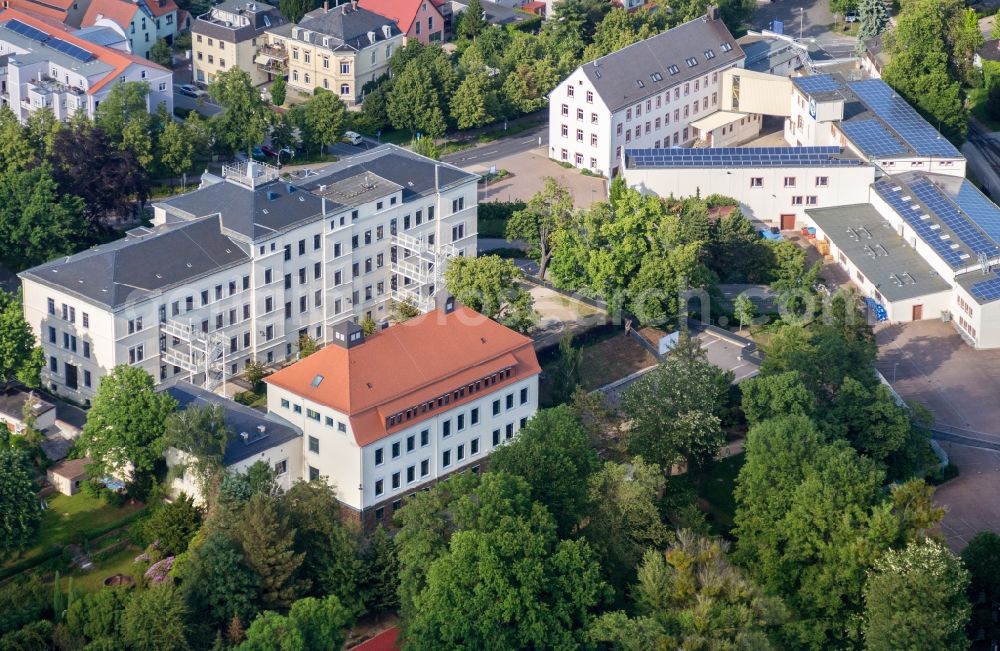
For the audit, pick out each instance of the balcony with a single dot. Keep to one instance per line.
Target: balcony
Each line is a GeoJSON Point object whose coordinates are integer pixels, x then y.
{"type": "Point", "coordinates": [272, 59]}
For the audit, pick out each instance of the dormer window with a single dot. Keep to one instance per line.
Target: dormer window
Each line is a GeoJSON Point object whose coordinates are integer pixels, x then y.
{"type": "Point", "coordinates": [656, 76]}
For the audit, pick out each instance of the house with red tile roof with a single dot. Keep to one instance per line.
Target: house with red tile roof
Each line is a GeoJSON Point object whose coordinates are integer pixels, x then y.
{"type": "Point", "coordinates": [68, 12]}
{"type": "Point", "coordinates": [143, 22]}
{"type": "Point", "coordinates": [46, 64]}
{"type": "Point", "coordinates": [387, 640]}
{"type": "Point", "coordinates": [420, 20]}
{"type": "Point", "coordinates": [388, 414]}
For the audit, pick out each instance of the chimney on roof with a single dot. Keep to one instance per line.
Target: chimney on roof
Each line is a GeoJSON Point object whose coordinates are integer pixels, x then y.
{"type": "Point", "coordinates": [354, 5]}
{"type": "Point", "coordinates": [449, 304]}
{"type": "Point", "coordinates": [326, 6]}
{"type": "Point", "coordinates": [348, 334]}
{"type": "Point", "coordinates": [713, 13]}
{"type": "Point", "coordinates": [343, 10]}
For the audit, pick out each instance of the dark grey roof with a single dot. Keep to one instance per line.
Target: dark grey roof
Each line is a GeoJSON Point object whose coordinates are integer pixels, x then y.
{"type": "Point", "coordinates": [990, 50]}
{"type": "Point", "coordinates": [240, 419]}
{"type": "Point", "coordinates": [251, 213]}
{"type": "Point", "coordinates": [616, 77]}
{"type": "Point", "coordinates": [261, 17]}
{"type": "Point", "coordinates": [877, 250]}
{"type": "Point", "coordinates": [133, 268]}
{"type": "Point", "coordinates": [12, 403]}
{"type": "Point", "coordinates": [414, 173]}
{"type": "Point", "coordinates": [349, 27]}
{"type": "Point", "coordinates": [764, 54]}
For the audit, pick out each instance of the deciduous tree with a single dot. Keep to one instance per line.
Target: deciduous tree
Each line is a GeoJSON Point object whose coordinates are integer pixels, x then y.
{"type": "Point", "coordinates": [537, 223]}
{"type": "Point", "coordinates": [323, 117]}
{"type": "Point", "coordinates": [244, 119]}
{"type": "Point", "coordinates": [19, 511]}
{"type": "Point", "coordinates": [474, 103]}
{"type": "Point", "coordinates": [217, 583]}
{"type": "Point", "coordinates": [173, 524]}
{"type": "Point", "coordinates": [488, 285]}
{"type": "Point", "coordinates": [380, 574]}
{"type": "Point", "coordinates": [154, 620]}
{"type": "Point", "coordinates": [278, 90]}
{"type": "Point", "coordinates": [37, 221]}
{"type": "Point", "coordinates": [415, 103]}
{"type": "Point", "coordinates": [21, 358]}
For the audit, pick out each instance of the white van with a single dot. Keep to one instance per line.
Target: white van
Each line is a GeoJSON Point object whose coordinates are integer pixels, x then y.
{"type": "Point", "coordinates": [353, 138]}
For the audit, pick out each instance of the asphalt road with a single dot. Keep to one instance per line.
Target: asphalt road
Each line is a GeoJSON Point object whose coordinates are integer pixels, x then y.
{"type": "Point", "coordinates": [811, 19]}
{"type": "Point", "coordinates": [485, 154]}
{"type": "Point", "coordinates": [200, 104]}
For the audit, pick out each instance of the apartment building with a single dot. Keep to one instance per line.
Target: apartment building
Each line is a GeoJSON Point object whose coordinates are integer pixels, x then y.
{"type": "Point", "coordinates": [339, 49]}
{"type": "Point", "coordinates": [43, 64]}
{"type": "Point", "coordinates": [643, 96]}
{"type": "Point", "coordinates": [68, 12]}
{"type": "Point", "coordinates": [143, 22]}
{"type": "Point", "coordinates": [386, 415]}
{"type": "Point", "coordinates": [419, 20]}
{"type": "Point", "coordinates": [228, 36]}
{"type": "Point", "coordinates": [240, 268]}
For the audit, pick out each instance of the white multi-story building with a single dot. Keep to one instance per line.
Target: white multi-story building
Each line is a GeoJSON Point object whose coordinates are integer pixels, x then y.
{"type": "Point", "coordinates": [386, 415]}
{"type": "Point", "coordinates": [774, 185]}
{"type": "Point", "coordinates": [45, 65]}
{"type": "Point", "coordinates": [240, 268]}
{"type": "Point", "coordinates": [645, 95]}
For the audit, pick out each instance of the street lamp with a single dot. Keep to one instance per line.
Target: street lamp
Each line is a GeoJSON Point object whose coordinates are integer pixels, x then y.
{"type": "Point", "coordinates": [894, 365]}
{"type": "Point", "coordinates": [801, 12]}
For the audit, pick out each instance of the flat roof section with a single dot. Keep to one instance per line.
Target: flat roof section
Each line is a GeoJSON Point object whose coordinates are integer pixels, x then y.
{"type": "Point", "coordinates": [739, 157]}
{"type": "Point", "coordinates": [984, 286]}
{"type": "Point", "coordinates": [876, 249]}
{"type": "Point", "coordinates": [717, 119]}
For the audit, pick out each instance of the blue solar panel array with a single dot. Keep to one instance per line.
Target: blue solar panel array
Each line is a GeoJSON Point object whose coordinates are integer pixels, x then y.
{"type": "Point", "coordinates": [895, 111]}
{"type": "Point", "coordinates": [951, 216]}
{"type": "Point", "coordinates": [928, 230]}
{"type": "Point", "coordinates": [738, 157]}
{"type": "Point", "coordinates": [981, 210]}
{"type": "Point", "coordinates": [873, 138]}
{"type": "Point", "coordinates": [65, 47]}
{"type": "Point", "coordinates": [987, 290]}
{"type": "Point", "coordinates": [816, 83]}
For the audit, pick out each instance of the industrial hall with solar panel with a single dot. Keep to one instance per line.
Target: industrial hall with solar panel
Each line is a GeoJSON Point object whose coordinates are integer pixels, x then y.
{"type": "Point", "coordinates": [883, 193]}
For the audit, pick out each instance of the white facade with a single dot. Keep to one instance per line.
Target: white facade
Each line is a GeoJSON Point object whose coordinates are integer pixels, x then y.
{"type": "Point", "coordinates": [340, 263]}
{"type": "Point", "coordinates": [411, 458]}
{"type": "Point", "coordinates": [776, 196]}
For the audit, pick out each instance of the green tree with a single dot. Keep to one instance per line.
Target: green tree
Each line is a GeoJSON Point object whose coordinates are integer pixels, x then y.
{"type": "Point", "coordinates": [37, 221]}
{"type": "Point", "coordinates": [425, 147]}
{"type": "Point", "coordinates": [488, 285]}
{"type": "Point", "coordinates": [472, 21]}
{"type": "Point", "coordinates": [676, 408]}
{"type": "Point", "coordinates": [244, 119]}
{"type": "Point", "coordinates": [553, 454]}
{"type": "Point", "coordinates": [97, 615]}
{"type": "Point", "coordinates": [268, 544]}
{"type": "Point", "coordinates": [323, 117]}
{"type": "Point", "coordinates": [982, 558]}
{"type": "Point", "coordinates": [624, 517]}
{"type": "Point", "coordinates": [415, 103]}
{"type": "Point", "coordinates": [203, 434]}
{"type": "Point", "coordinates": [311, 624]}
{"type": "Point", "coordinates": [915, 599]}
{"type": "Point", "coordinates": [738, 252]}
{"type": "Point", "coordinates": [124, 116]}
{"type": "Point", "coordinates": [19, 511]}
{"type": "Point", "coordinates": [42, 128]}
{"type": "Point", "coordinates": [173, 524]}
{"type": "Point", "coordinates": [21, 359]}
{"type": "Point", "coordinates": [278, 90]}
{"type": "Point", "coordinates": [368, 326]}
{"type": "Point", "coordinates": [154, 620]}
{"type": "Point", "coordinates": [873, 19]}
{"type": "Point", "coordinates": [380, 575]}
{"type": "Point", "coordinates": [216, 582]}
{"type": "Point", "coordinates": [775, 394]}
{"type": "Point", "coordinates": [691, 597]}
{"type": "Point", "coordinates": [537, 223]}
{"type": "Point", "coordinates": [125, 424]}
{"type": "Point", "coordinates": [160, 53]}
{"type": "Point", "coordinates": [744, 310]}
{"type": "Point", "coordinates": [475, 103]}
{"type": "Point", "coordinates": [294, 10]}
{"type": "Point", "coordinates": [254, 372]}
{"type": "Point", "coordinates": [564, 377]}
{"type": "Point", "coordinates": [176, 149]}
{"type": "Point", "coordinates": [528, 85]}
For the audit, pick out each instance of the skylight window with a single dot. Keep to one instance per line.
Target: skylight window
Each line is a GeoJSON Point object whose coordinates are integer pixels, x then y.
{"type": "Point", "coordinates": [672, 69]}
{"type": "Point", "coordinates": [656, 76]}
{"type": "Point", "coordinates": [691, 61]}
{"type": "Point", "coordinates": [726, 47]}
{"type": "Point", "coordinates": [638, 82]}
{"type": "Point", "coordinates": [317, 380]}
{"type": "Point", "coordinates": [709, 54]}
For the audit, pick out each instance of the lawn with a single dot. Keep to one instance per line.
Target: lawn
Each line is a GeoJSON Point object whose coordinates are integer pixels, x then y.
{"type": "Point", "coordinates": [715, 493]}
{"type": "Point", "coordinates": [978, 97]}
{"type": "Point", "coordinates": [72, 519]}
{"type": "Point", "coordinates": [604, 361]}
{"type": "Point", "coordinates": [121, 562]}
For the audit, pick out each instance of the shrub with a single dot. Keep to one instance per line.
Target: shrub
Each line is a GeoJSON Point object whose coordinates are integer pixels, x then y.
{"type": "Point", "coordinates": [246, 398]}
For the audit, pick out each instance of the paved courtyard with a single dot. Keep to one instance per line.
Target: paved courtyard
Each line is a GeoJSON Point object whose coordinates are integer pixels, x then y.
{"type": "Point", "coordinates": [972, 498]}
{"type": "Point", "coordinates": [528, 170]}
{"type": "Point", "coordinates": [927, 362]}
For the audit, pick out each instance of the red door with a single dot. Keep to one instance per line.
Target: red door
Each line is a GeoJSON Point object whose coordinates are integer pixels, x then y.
{"type": "Point", "coordinates": [788, 222]}
{"type": "Point", "coordinates": [918, 312]}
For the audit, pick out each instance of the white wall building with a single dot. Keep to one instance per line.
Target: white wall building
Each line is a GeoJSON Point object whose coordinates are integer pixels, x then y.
{"type": "Point", "coordinates": [386, 415]}
{"type": "Point", "coordinates": [44, 65]}
{"type": "Point", "coordinates": [774, 185]}
{"type": "Point", "coordinates": [240, 268]}
{"type": "Point", "coordinates": [645, 95]}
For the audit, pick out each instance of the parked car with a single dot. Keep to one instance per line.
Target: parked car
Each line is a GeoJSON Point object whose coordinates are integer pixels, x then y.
{"type": "Point", "coordinates": [772, 234]}
{"type": "Point", "coordinates": [851, 17]}
{"type": "Point", "coordinates": [353, 138]}
{"type": "Point", "coordinates": [258, 153]}
{"type": "Point", "coordinates": [269, 151]}
{"type": "Point", "coordinates": [191, 90]}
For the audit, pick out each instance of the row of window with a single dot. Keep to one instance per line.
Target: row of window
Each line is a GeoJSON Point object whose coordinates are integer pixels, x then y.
{"type": "Point", "coordinates": [446, 398]}
{"type": "Point", "coordinates": [329, 421]}
{"type": "Point", "coordinates": [69, 342]}
{"type": "Point", "coordinates": [964, 305]}
{"type": "Point", "coordinates": [68, 313]}
{"type": "Point", "coordinates": [72, 373]}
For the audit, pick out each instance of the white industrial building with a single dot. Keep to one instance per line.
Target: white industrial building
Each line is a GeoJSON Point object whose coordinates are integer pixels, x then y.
{"type": "Point", "coordinates": [644, 96]}
{"type": "Point", "coordinates": [243, 266]}
{"type": "Point", "coordinates": [44, 64]}
{"type": "Point", "coordinates": [774, 185]}
{"type": "Point", "coordinates": [387, 415]}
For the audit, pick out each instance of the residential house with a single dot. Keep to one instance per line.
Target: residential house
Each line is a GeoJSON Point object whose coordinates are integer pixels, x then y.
{"type": "Point", "coordinates": [390, 414]}
{"type": "Point", "coordinates": [644, 95]}
{"type": "Point", "coordinates": [228, 36]}
{"type": "Point", "coordinates": [339, 49]}
{"type": "Point", "coordinates": [419, 20]}
{"type": "Point", "coordinates": [143, 22]}
{"type": "Point", "coordinates": [44, 64]}
{"type": "Point", "coordinates": [67, 12]}
{"type": "Point", "coordinates": [242, 267]}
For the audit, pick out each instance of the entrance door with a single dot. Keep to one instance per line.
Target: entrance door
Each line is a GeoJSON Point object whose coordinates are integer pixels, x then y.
{"type": "Point", "coordinates": [788, 222]}
{"type": "Point", "coordinates": [918, 312]}
{"type": "Point", "coordinates": [70, 376]}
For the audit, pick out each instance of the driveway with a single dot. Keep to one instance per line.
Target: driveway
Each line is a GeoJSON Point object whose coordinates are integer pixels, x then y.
{"type": "Point", "coordinates": [972, 498]}
{"type": "Point", "coordinates": [809, 20]}
{"type": "Point", "coordinates": [526, 177]}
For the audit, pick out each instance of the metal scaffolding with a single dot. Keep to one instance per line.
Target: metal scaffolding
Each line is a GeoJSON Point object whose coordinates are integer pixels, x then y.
{"type": "Point", "coordinates": [198, 353]}
{"type": "Point", "coordinates": [420, 263]}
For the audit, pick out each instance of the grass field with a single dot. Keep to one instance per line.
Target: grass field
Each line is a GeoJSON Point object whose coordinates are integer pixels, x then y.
{"type": "Point", "coordinates": [604, 361]}
{"type": "Point", "coordinates": [977, 99]}
{"type": "Point", "coordinates": [71, 519]}
{"type": "Point", "coordinates": [715, 493]}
